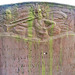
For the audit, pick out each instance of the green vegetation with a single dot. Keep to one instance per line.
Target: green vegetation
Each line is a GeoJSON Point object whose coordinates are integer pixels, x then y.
{"type": "Point", "coordinates": [17, 37]}
{"type": "Point", "coordinates": [15, 12]}
{"type": "Point", "coordinates": [26, 39]}
{"type": "Point", "coordinates": [8, 14]}
{"type": "Point", "coordinates": [39, 61]}
{"type": "Point", "coordinates": [30, 56]}
{"type": "Point", "coordinates": [47, 11]}
{"type": "Point", "coordinates": [51, 54]}
{"type": "Point", "coordinates": [30, 23]}
{"type": "Point", "coordinates": [60, 57]}
{"type": "Point", "coordinates": [57, 67]}
{"type": "Point", "coordinates": [39, 12]}
{"type": "Point", "coordinates": [38, 41]}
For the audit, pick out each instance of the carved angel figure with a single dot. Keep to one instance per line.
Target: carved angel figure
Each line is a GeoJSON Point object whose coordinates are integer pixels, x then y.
{"type": "Point", "coordinates": [42, 27]}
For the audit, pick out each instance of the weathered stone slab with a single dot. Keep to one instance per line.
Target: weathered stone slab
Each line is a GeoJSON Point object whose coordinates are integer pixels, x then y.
{"type": "Point", "coordinates": [19, 56]}
{"type": "Point", "coordinates": [37, 39]}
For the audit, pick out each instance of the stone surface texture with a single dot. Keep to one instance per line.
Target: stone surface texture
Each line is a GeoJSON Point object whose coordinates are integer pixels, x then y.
{"type": "Point", "coordinates": [42, 50]}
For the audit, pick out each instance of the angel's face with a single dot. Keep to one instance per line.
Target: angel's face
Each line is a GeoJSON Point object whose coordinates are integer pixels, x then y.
{"type": "Point", "coordinates": [38, 13]}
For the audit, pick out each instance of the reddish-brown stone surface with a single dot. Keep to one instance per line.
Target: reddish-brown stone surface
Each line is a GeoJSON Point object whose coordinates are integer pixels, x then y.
{"type": "Point", "coordinates": [19, 57]}
{"type": "Point", "coordinates": [54, 55]}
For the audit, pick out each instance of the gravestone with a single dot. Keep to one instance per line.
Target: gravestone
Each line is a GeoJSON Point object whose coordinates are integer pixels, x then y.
{"type": "Point", "coordinates": [37, 39]}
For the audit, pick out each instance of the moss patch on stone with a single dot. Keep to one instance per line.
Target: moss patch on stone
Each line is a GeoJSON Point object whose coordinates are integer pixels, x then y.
{"type": "Point", "coordinates": [51, 54]}
{"type": "Point", "coordinates": [43, 65]}
{"type": "Point", "coordinates": [30, 23]}
{"type": "Point", "coordinates": [30, 56]}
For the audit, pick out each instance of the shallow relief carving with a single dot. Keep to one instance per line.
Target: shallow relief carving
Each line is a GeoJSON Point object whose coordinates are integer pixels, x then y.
{"type": "Point", "coordinates": [36, 21]}
{"type": "Point", "coordinates": [32, 57]}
